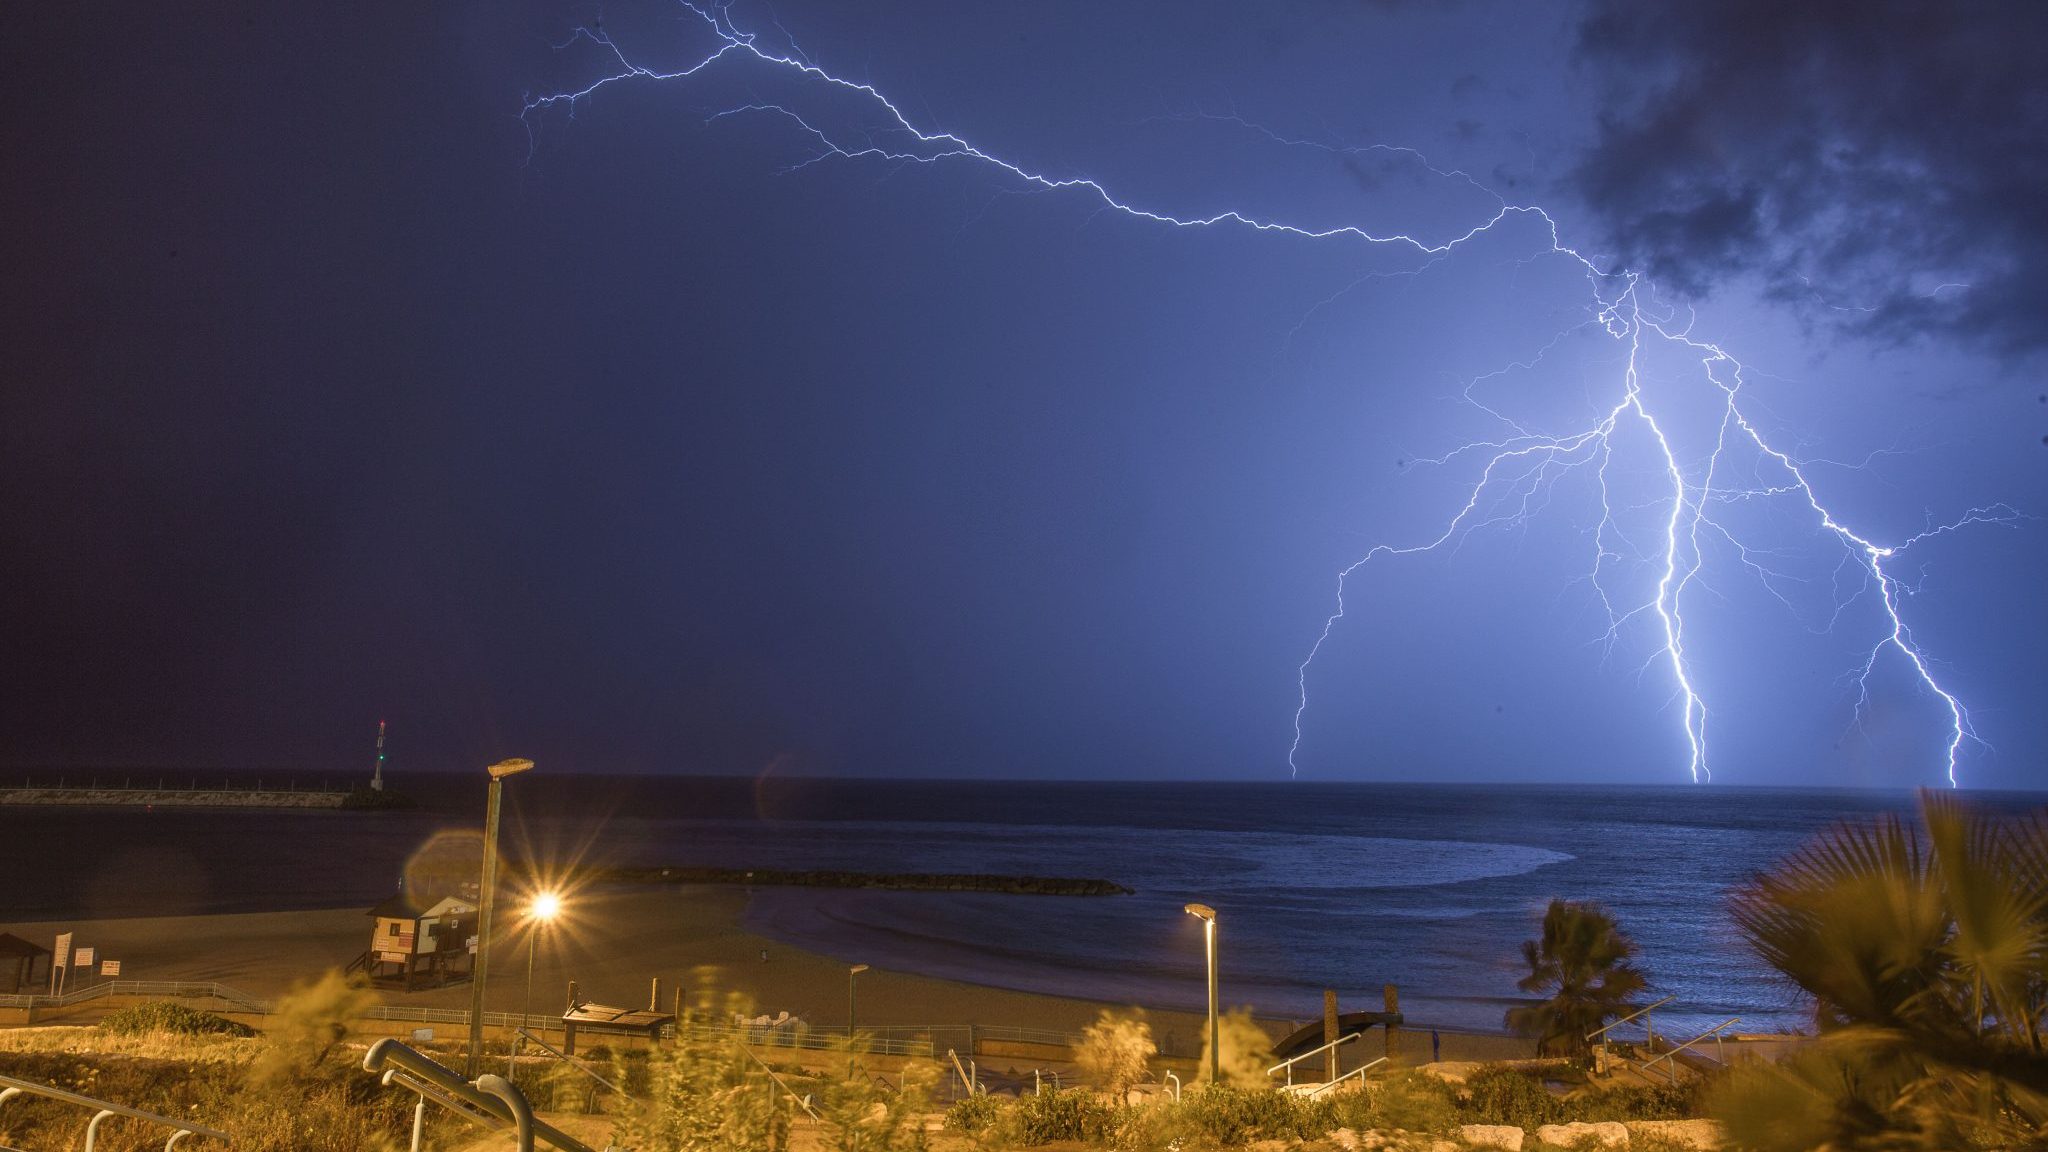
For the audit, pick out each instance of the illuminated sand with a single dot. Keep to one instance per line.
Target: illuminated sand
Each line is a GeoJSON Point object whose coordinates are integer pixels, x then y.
{"type": "Point", "coordinates": [614, 944]}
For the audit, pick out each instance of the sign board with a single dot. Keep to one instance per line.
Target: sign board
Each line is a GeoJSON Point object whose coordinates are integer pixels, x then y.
{"type": "Point", "coordinates": [392, 957]}
{"type": "Point", "coordinates": [110, 967]}
{"type": "Point", "coordinates": [83, 959]}
{"type": "Point", "coordinates": [423, 1035]}
{"type": "Point", "coordinates": [472, 945]}
{"type": "Point", "coordinates": [60, 962]}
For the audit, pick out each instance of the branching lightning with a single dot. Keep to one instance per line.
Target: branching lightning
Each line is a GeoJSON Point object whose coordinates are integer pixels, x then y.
{"type": "Point", "coordinates": [1515, 468]}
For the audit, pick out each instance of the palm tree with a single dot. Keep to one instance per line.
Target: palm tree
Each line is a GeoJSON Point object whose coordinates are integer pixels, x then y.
{"type": "Point", "coordinates": [1925, 951]}
{"type": "Point", "coordinates": [1582, 962]}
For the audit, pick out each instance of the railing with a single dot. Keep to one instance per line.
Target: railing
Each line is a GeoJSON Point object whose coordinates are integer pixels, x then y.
{"type": "Point", "coordinates": [573, 1062]}
{"type": "Point", "coordinates": [1291, 1061]}
{"type": "Point", "coordinates": [811, 1039]}
{"type": "Point", "coordinates": [1357, 1073]}
{"type": "Point", "coordinates": [966, 1078]}
{"type": "Point", "coordinates": [891, 1040]}
{"type": "Point", "coordinates": [104, 1110]}
{"type": "Point", "coordinates": [1715, 1032]}
{"type": "Point", "coordinates": [1643, 1011]}
{"type": "Point", "coordinates": [181, 989]}
{"type": "Point", "coordinates": [406, 1014]}
{"type": "Point", "coordinates": [803, 1102]}
{"type": "Point", "coordinates": [490, 1099]}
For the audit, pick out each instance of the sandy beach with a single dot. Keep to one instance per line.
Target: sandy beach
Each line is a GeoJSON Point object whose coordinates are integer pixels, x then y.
{"type": "Point", "coordinates": [614, 943]}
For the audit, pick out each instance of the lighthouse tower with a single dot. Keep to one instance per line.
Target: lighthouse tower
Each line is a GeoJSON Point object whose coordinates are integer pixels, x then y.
{"type": "Point", "coordinates": [377, 778]}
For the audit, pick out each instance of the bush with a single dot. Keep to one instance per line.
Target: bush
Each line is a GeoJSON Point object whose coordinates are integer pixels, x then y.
{"type": "Point", "coordinates": [871, 1116]}
{"type": "Point", "coordinates": [975, 1115]}
{"type": "Point", "coordinates": [1680, 1101]}
{"type": "Point", "coordinates": [1414, 1101]}
{"type": "Point", "coordinates": [1235, 1116]}
{"type": "Point", "coordinates": [154, 1016]}
{"type": "Point", "coordinates": [1497, 1094]}
{"type": "Point", "coordinates": [343, 1110]}
{"type": "Point", "coordinates": [1074, 1114]}
{"type": "Point", "coordinates": [1115, 1051]}
{"type": "Point", "coordinates": [1246, 1050]}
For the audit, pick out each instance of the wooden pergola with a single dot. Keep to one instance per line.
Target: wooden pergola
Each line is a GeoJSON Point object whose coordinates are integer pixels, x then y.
{"type": "Point", "coordinates": [21, 956]}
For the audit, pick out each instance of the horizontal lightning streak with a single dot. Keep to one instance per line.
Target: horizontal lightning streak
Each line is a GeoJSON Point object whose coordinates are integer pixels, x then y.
{"type": "Point", "coordinates": [1523, 463]}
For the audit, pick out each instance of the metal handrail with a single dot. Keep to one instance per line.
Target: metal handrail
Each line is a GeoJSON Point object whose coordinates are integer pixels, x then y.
{"type": "Point", "coordinates": [973, 1089]}
{"type": "Point", "coordinates": [105, 1109]}
{"type": "Point", "coordinates": [820, 1039]}
{"type": "Point", "coordinates": [573, 1062]}
{"type": "Point", "coordinates": [1714, 1031]}
{"type": "Point", "coordinates": [180, 988]}
{"type": "Point", "coordinates": [1625, 1019]}
{"type": "Point", "coordinates": [802, 1102]}
{"type": "Point", "coordinates": [489, 1099]}
{"type": "Point", "coordinates": [1291, 1061]}
{"type": "Point", "coordinates": [1358, 1072]}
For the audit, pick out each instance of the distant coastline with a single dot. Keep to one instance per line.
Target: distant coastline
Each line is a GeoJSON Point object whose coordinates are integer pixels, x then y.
{"type": "Point", "coordinates": [95, 796]}
{"type": "Point", "coordinates": [893, 881]}
{"type": "Point", "coordinates": [170, 798]}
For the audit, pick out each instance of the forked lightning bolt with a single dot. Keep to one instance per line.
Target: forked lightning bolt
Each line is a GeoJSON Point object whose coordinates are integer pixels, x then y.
{"type": "Point", "coordinates": [1515, 468]}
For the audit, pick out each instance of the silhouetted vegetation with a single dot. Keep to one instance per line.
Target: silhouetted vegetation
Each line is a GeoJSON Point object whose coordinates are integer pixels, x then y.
{"type": "Point", "coordinates": [1581, 961]}
{"type": "Point", "coordinates": [169, 1016]}
{"type": "Point", "coordinates": [1925, 950]}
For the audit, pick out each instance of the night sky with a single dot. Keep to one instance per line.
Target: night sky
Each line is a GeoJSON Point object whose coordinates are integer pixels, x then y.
{"type": "Point", "coordinates": [637, 437]}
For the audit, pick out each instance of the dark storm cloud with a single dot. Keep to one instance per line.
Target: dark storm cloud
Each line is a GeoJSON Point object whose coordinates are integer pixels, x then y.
{"type": "Point", "coordinates": [1864, 159]}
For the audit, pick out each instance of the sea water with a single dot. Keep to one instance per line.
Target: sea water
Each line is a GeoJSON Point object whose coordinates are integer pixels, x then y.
{"type": "Point", "coordinates": [1341, 886]}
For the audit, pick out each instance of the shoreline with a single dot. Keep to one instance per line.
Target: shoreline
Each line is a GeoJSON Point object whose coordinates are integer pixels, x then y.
{"type": "Point", "coordinates": [614, 943]}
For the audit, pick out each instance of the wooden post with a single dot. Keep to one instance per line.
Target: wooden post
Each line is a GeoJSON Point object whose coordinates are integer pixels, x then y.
{"type": "Point", "coordinates": [654, 996]}
{"type": "Point", "coordinates": [1329, 1034]}
{"type": "Point", "coordinates": [1393, 995]}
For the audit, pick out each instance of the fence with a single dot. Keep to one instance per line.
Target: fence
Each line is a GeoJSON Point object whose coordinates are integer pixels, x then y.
{"type": "Point", "coordinates": [890, 1040]}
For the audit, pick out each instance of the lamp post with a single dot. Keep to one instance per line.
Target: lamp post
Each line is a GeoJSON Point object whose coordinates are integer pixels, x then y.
{"type": "Point", "coordinates": [498, 771]}
{"type": "Point", "coordinates": [856, 970]}
{"type": "Point", "coordinates": [539, 914]}
{"type": "Point", "coordinates": [1208, 917]}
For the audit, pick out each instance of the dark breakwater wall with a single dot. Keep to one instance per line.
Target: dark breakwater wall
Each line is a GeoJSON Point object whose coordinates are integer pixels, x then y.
{"type": "Point", "coordinates": [899, 881]}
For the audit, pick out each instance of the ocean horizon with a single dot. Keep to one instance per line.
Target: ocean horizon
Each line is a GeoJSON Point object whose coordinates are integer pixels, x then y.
{"type": "Point", "coordinates": [1317, 885]}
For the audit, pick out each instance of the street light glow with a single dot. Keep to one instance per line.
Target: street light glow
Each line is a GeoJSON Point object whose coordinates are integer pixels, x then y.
{"type": "Point", "coordinates": [1202, 910]}
{"type": "Point", "coordinates": [546, 907]}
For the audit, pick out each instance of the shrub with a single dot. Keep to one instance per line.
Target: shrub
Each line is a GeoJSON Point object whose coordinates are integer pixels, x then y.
{"type": "Point", "coordinates": [1247, 1050]}
{"type": "Point", "coordinates": [342, 1110]}
{"type": "Point", "coordinates": [975, 1115]}
{"type": "Point", "coordinates": [309, 1021]}
{"type": "Point", "coordinates": [1414, 1101]}
{"type": "Point", "coordinates": [169, 1016]}
{"type": "Point", "coordinates": [1680, 1101]}
{"type": "Point", "coordinates": [704, 1093]}
{"type": "Point", "coordinates": [1497, 1094]}
{"type": "Point", "coordinates": [1234, 1116]}
{"type": "Point", "coordinates": [1073, 1114]}
{"type": "Point", "coordinates": [870, 1116]}
{"type": "Point", "coordinates": [1115, 1051]}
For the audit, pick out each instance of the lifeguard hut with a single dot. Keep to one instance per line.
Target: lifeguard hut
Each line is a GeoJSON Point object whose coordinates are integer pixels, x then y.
{"type": "Point", "coordinates": [426, 932]}
{"type": "Point", "coordinates": [421, 939]}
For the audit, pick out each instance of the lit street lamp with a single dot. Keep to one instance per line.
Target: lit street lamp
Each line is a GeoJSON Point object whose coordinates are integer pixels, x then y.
{"type": "Point", "coordinates": [540, 914]}
{"type": "Point", "coordinates": [1208, 918]}
{"type": "Point", "coordinates": [498, 771]}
